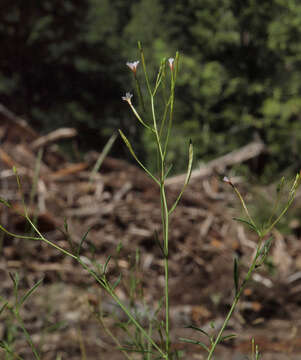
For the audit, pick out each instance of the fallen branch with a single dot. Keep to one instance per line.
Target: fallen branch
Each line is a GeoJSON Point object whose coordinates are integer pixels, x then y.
{"type": "Point", "coordinates": [220, 164]}
{"type": "Point", "coordinates": [63, 133]}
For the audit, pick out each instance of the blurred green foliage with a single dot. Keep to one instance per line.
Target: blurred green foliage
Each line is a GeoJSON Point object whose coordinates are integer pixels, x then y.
{"type": "Point", "coordinates": [63, 63]}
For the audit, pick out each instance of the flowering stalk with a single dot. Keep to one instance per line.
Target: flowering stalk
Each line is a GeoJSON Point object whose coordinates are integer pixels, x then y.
{"type": "Point", "coordinates": [161, 143]}
{"type": "Point", "coordinates": [128, 96]}
{"type": "Point", "coordinates": [133, 66]}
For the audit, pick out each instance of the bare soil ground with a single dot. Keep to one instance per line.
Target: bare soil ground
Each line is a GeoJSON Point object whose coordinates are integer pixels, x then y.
{"type": "Point", "coordinates": [121, 205]}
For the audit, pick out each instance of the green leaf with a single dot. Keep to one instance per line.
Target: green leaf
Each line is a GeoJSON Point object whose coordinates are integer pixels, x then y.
{"type": "Point", "coordinates": [4, 202]}
{"type": "Point", "coordinates": [103, 155]}
{"type": "Point", "coordinates": [280, 185]}
{"type": "Point", "coordinates": [129, 146]}
{"type": "Point", "coordinates": [119, 247]}
{"type": "Point", "coordinates": [83, 239]}
{"type": "Point", "coordinates": [168, 171]}
{"type": "Point", "coordinates": [244, 221]}
{"type": "Point", "coordinates": [190, 160]}
{"type": "Point", "coordinates": [228, 337]}
{"type": "Point", "coordinates": [188, 174]}
{"type": "Point", "coordinates": [3, 307]}
{"type": "Point", "coordinates": [195, 342]}
{"type": "Point", "coordinates": [236, 274]}
{"type": "Point", "coordinates": [106, 265]}
{"type": "Point", "coordinates": [198, 329]}
{"type": "Point", "coordinates": [264, 251]}
{"type": "Point", "coordinates": [157, 241]}
{"type": "Point", "coordinates": [116, 283]}
{"type": "Point", "coordinates": [15, 279]}
{"type": "Point", "coordinates": [66, 225]}
{"type": "Point", "coordinates": [135, 350]}
{"type": "Point", "coordinates": [29, 292]}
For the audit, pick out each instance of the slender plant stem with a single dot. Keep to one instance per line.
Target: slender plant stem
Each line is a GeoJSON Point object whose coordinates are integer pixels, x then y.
{"type": "Point", "coordinates": [27, 336]}
{"type": "Point", "coordinates": [113, 337]}
{"type": "Point", "coordinates": [49, 242]}
{"type": "Point", "coordinates": [107, 287]}
{"type": "Point", "coordinates": [280, 216]}
{"type": "Point", "coordinates": [111, 292]}
{"type": "Point", "coordinates": [236, 299]}
{"type": "Point", "coordinates": [165, 218]}
{"type": "Point", "coordinates": [139, 93]}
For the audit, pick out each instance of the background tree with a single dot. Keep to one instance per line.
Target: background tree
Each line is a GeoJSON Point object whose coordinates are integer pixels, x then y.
{"type": "Point", "coordinates": [63, 63]}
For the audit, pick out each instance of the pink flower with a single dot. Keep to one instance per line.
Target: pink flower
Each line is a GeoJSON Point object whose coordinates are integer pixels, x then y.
{"type": "Point", "coordinates": [133, 66]}
{"type": "Point", "coordinates": [171, 63]}
{"type": "Point", "coordinates": [228, 181]}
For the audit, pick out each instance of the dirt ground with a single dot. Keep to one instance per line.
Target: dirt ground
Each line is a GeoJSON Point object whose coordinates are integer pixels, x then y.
{"type": "Point", "coordinates": [121, 206]}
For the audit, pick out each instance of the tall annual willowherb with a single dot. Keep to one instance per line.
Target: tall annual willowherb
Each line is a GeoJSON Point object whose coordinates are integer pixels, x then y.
{"type": "Point", "coordinates": [162, 88]}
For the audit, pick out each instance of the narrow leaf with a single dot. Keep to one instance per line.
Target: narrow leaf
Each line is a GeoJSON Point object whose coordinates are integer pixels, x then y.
{"type": "Point", "coordinates": [29, 292]}
{"type": "Point", "coordinates": [135, 350]}
{"type": "Point", "coordinates": [6, 203]}
{"type": "Point", "coordinates": [168, 171]}
{"type": "Point", "coordinates": [189, 169]}
{"type": "Point", "coordinates": [266, 246]}
{"type": "Point", "coordinates": [66, 225]}
{"type": "Point", "coordinates": [195, 342]}
{"type": "Point", "coordinates": [116, 283]}
{"type": "Point", "coordinates": [15, 280]}
{"type": "Point", "coordinates": [157, 241]}
{"type": "Point", "coordinates": [198, 329]}
{"type": "Point", "coordinates": [3, 307]}
{"type": "Point", "coordinates": [106, 265]}
{"type": "Point", "coordinates": [83, 239]}
{"type": "Point", "coordinates": [129, 146]}
{"type": "Point", "coordinates": [103, 155]}
{"type": "Point", "coordinates": [228, 337]}
{"type": "Point", "coordinates": [244, 221]}
{"type": "Point", "coordinates": [190, 160]}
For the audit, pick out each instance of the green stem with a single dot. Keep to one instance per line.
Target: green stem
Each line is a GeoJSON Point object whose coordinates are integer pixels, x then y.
{"type": "Point", "coordinates": [236, 299]}
{"type": "Point", "coordinates": [111, 292]}
{"type": "Point", "coordinates": [172, 99]}
{"type": "Point", "coordinates": [165, 222]}
{"type": "Point", "coordinates": [27, 336]}
{"type": "Point", "coordinates": [113, 337]}
{"type": "Point", "coordinates": [49, 242]}
{"type": "Point", "coordinates": [144, 68]}
{"type": "Point", "coordinates": [139, 93]}
{"type": "Point", "coordinates": [281, 214]}
{"type": "Point", "coordinates": [244, 205]}
{"type": "Point", "coordinates": [157, 136]}
{"type": "Point", "coordinates": [104, 285]}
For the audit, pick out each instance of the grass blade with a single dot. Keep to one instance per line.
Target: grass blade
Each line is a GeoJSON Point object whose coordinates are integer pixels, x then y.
{"type": "Point", "coordinates": [103, 155]}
